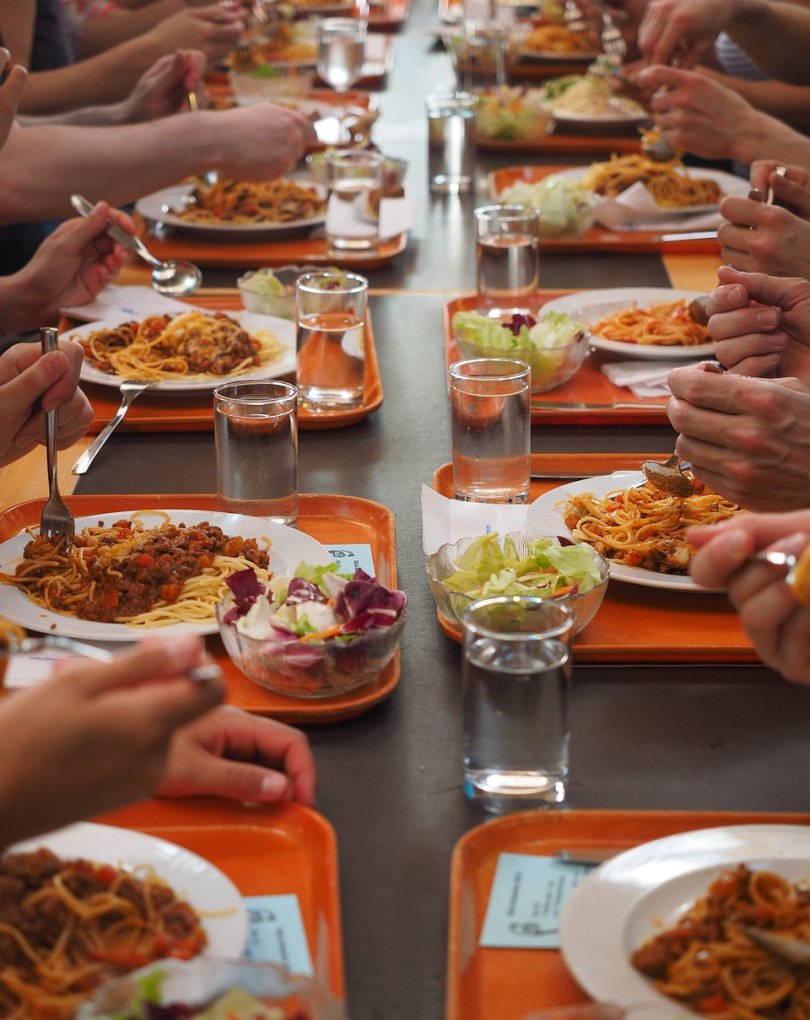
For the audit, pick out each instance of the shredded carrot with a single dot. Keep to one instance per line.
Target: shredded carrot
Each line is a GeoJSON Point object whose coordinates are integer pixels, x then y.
{"type": "Point", "coordinates": [322, 635]}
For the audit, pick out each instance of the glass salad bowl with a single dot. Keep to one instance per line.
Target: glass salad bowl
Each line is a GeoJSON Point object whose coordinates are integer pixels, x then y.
{"type": "Point", "coordinates": [518, 564]}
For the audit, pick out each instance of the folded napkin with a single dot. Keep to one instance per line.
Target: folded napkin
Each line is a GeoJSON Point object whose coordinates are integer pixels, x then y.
{"type": "Point", "coordinates": [32, 668]}
{"type": "Point", "coordinates": [645, 379]}
{"type": "Point", "coordinates": [352, 219]}
{"type": "Point", "coordinates": [448, 520]}
{"type": "Point", "coordinates": [124, 302]}
{"type": "Point", "coordinates": [636, 209]}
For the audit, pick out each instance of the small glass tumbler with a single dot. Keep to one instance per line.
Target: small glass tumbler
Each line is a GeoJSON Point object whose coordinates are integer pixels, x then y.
{"type": "Point", "coordinates": [517, 685]}
{"type": "Point", "coordinates": [355, 178]}
{"type": "Point", "coordinates": [451, 143]}
{"type": "Point", "coordinates": [256, 433]}
{"type": "Point", "coordinates": [480, 55]}
{"type": "Point", "coordinates": [507, 259]}
{"type": "Point", "coordinates": [330, 339]}
{"type": "Point", "coordinates": [490, 408]}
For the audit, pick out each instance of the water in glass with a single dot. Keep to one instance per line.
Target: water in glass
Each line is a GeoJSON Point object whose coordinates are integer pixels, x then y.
{"type": "Point", "coordinates": [331, 365]}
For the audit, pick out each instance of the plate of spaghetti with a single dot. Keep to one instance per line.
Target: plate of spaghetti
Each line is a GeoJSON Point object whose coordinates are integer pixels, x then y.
{"type": "Point", "coordinates": [238, 206]}
{"type": "Point", "coordinates": [131, 572]}
{"type": "Point", "coordinates": [194, 351]}
{"type": "Point", "coordinates": [649, 323]}
{"type": "Point", "coordinates": [674, 908]}
{"type": "Point", "coordinates": [638, 528]}
{"type": "Point", "coordinates": [556, 42]}
{"type": "Point", "coordinates": [115, 901]}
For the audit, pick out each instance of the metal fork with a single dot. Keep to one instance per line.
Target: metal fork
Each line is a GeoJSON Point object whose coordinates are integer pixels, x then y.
{"type": "Point", "coordinates": [57, 520]}
{"type": "Point", "coordinates": [573, 17]}
{"type": "Point", "coordinates": [130, 389]}
{"type": "Point", "coordinates": [612, 40]}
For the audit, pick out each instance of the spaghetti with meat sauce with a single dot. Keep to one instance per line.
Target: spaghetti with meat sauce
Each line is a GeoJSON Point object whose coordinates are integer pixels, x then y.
{"type": "Point", "coordinates": [66, 926]}
{"type": "Point", "coordinates": [707, 962]}
{"type": "Point", "coordinates": [643, 526]}
{"type": "Point", "coordinates": [144, 577]}
{"type": "Point", "coordinates": [228, 201]}
{"type": "Point", "coordinates": [669, 182]}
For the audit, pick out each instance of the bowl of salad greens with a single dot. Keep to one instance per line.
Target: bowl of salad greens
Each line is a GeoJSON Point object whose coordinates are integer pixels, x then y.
{"type": "Point", "coordinates": [518, 564]}
{"type": "Point", "coordinates": [316, 634]}
{"type": "Point", "coordinates": [553, 346]}
{"type": "Point", "coordinates": [209, 988]}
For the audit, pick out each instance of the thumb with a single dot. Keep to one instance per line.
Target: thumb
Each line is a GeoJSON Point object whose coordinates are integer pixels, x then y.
{"type": "Point", "coordinates": [206, 773]}
{"type": "Point", "coordinates": [789, 192]}
{"type": "Point", "coordinates": [23, 390]}
{"type": "Point", "coordinates": [769, 290]}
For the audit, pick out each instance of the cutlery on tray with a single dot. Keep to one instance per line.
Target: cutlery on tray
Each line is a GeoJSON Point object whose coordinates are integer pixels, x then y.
{"type": "Point", "coordinates": [57, 520]}
{"type": "Point", "coordinates": [130, 389]}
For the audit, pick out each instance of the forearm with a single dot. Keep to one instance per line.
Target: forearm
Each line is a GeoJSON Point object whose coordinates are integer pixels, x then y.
{"type": "Point", "coordinates": [122, 24]}
{"type": "Point", "coordinates": [788, 103]}
{"type": "Point", "coordinates": [767, 137]}
{"type": "Point", "coordinates": [117, 164]}
{"type": "Point", "coordinates": [776, 35]}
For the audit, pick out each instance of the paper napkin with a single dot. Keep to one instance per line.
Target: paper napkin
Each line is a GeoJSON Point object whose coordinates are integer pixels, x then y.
{"type": "Point", "coordinates": [644, 378]}
{"type": "Point", "coordinates": [350, 219]}
{"type": "Point", "coordinates": [636, 209]}
{"type": "Point", "coordinates": [448, 520]}
{"type": "Point", "coordinates": [128, 302]}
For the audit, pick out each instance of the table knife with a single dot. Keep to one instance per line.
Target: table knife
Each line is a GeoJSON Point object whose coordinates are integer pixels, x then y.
{"type": "Point", "coordinates": [572, 405]}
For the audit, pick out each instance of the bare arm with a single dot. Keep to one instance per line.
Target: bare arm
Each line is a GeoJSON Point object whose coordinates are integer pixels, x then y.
{"type": "Point", "coordinates": [120, 24]}
{"type": "Point", "coordinates": [788, 103]}
{"type": "Point", "coordinates": [17, 28]}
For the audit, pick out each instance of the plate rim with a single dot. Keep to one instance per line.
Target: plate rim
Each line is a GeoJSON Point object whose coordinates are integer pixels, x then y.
{"type": "Point", "coordinates": [39, 620]}
{"type": "Point", "coordinates": [615, 888]}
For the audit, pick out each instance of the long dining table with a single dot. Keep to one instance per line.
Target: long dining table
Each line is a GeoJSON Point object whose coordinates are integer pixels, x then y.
{"type": "Point", "coordinates": [697, 736]}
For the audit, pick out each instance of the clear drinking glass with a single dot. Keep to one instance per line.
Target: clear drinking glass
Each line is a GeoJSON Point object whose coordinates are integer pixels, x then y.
{"type": "Point", "coordinates": [517, 682]}
{"type": "Point", "coordinates": [341, 51]}
{"type": "Point", "coordinates": [490, 408]}
{"type": "Point", "coordinates": [330, 334]}
{"type": "Point", "coordinates": [256, 433]}
{"type": "Point", "coordinates": [451, 142]}
{"type": "Point", "coordinates": [355, 178]}
{"type": "Point", "coordinates": [507, 258]}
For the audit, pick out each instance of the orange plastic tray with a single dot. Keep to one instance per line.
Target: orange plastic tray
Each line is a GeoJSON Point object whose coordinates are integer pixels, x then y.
{"type": "Point", "coordinates": [154, 412]}
{"type": "Point", "coordinates": [561, 142]}
{"type": "Point", "coordinates": [634, 624]}
{"type": "Point", "coordinates": [388, 17]}
{"type": "Point", "coordinates": [279, 850]}
{"type": "Point", "coordinates": [597, 238]}
{"type": "Point", "coordinates": [332, 520]}
{"type": "Point", "coordinates": [590, 385]}
{"type": "Point", "coordinates": [508, 984]}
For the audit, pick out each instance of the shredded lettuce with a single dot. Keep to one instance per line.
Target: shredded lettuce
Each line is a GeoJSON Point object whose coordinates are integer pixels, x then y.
{"type": "Point", "coordinates": [523, 333]}
{"type": "Point", "coordinates": [566, 208]}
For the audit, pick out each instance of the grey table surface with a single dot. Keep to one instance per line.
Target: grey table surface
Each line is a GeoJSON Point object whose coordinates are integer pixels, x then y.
{"type": "Point", "coordinates": [713, 738]}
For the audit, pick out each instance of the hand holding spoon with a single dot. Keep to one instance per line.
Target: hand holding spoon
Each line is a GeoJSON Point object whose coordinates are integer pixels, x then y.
{"type": "Point", "coordinates": [175, 278]}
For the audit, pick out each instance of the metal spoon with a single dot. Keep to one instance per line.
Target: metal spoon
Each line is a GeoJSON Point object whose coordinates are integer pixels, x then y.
{"type": "Point", "coordinates": [669, 476]}
{"type": "Point", "coordinates": [175, 278]}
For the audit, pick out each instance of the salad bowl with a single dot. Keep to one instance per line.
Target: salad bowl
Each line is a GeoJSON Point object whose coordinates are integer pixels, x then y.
{"type": "Point", "coordinates": [517, 564]}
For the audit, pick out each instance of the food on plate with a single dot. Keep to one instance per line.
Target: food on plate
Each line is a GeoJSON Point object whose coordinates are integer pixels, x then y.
{"type": "Point", "coordinates": [511, 114]}
{"type": "Point", "coordinates": [10, 636]}
{"type": "Point", "coordinates": [707, 962]}
{"type": "Point", "coordinates": [228, 201]}
{"type": "Point", "coordinates": [588, 96]}
{"type": "Point", "coordinates": [128, 573]}
{"type": "Point", "coordinates": [291, 42]}
{"type": "Point", "coordinates": [567, 208]}
{"type": "Point", "coordinates": [668, 323]}
{"type": "Point", "coordinates": [493, 566]}
{"type": "Point", "coordinates": [235, 1004]}
{"type": "Point", "coordinates": [561, 41]}
{"type": "Point", "coordinates": [191, 345]}
{"type": "Point", "coordinates": [69, 925]}
{"type": "Point", "coordinates": [643, 526]}
{"type": "Point", "coordinates": [671, 184]}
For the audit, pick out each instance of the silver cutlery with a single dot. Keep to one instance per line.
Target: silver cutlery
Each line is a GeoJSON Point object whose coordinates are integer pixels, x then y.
{"type": "Point", "coordinates": [130, 389]}
{"type": "Point", "coordinates": [57, 520]}
{"type": "Point", "coordinates": [613, 42]}
{"type": "Point", "coordinates": [786, 947]}
{"type": "Point", "coordinates": [573, 405]}
{"type": "Point", "coordinates": [573, 17]}
{"type": "Point", "coordinates": [669, 476]}
{"type": "Point", "coordinates": [175, 278]}
{"type": "Point", "coordinates": [589, 854]}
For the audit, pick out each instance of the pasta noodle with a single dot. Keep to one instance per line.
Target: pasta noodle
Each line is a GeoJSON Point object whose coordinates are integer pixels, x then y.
{"type": "Point", "coordinates": [559, 39]}
{"type": "Point", "coordinates": [643, 526]}
{"type": "Point", "coordinates": [669, 182]}
{"type": "Point", "coordinates": [707, 962]}
{"type": "Point", "coordinates": [232, 202]}
{"type": "Point", "coordinates": [68, 925]}
{"type": "Point", "coordinates": [192, 345]}
{"type": "Point", "coordinates": [668, 324]}
{"type": "Point", "coordinates": [144, 577]}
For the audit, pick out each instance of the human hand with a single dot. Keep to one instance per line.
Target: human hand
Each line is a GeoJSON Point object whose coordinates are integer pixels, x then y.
{"type": "Point", "coordinates": [697, 114]}
{"type": "Point", "coordinates": [765, 238]}
{"type": "Point", "coordinates": [682, 30]}
{"type": "Point", "coordinates": [747, 439]}
{"type": "Point", "coordinates": [10, 93]}
{"type": "Point", "coordinates": [97, 735]}
{"type": "Point", "coordinates": [233, 754]}
{"type": "Point", "coordinates": [790, 183]}
{"type": "Point", "coordinates": [215, 29]}
{"type": "Point", "coordinates": [165, 87]}
{"type": "Point", "coordinates": [258, 142]}
{"type": "Point", "coordinates": [775, 621]}
{"type": "Point", "coordinates": [69, 268]}
{"type": "Point", "coordinates": [32, 382]}
{"type": "Point", "coordinates": [761, 324]}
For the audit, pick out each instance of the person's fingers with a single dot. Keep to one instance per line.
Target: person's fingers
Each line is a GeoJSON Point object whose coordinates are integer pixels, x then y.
{"type": "Point", "coordinates": [789, 192]}
{"type": "Point", "coordinates": [153, 659]}
{"type": "Point", "coordinates": [236, 779]}
{"type": "Point", "coordinates": [769, 290]}
{"type": "Point", "coordinates": [721, 552]}
{"type": "Point", "coordinates": [744, 212]}
{"type": "Point", "coordinates": [725, 298]}
{"type": "Point", "coordinates": [285, 744]}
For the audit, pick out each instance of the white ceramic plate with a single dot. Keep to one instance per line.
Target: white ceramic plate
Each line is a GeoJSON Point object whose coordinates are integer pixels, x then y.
{"type": "Point", "coordinates": [251, 321]}
{"type": "Point", "coordinates": [545, 517]}
{"type": "Point", "coordinates": [568, 58]}
{"type": "Point", "coordinates": [288, 548]}
{"type": "Point", "coordinates": [212, 894]}
{"type": "Point", "coordinates": [584, 121]}
{"type": "Point", "coordinates": [159, 207]}
{"type": "Point", "coordinates": [644, 890]}
{"type": "Point", "coordinates": [589, 306]}
{"type": "Point", "coordinates": [729, 185]}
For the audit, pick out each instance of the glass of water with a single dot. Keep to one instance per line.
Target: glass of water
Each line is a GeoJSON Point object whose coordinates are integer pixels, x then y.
{"type": "Point", "coordinates": [341, 51]}
{"type": "Point", "coordinates": [330, 334]}
{"type": "Point", "coordinates": [490, 410]}
{"type": "Point", "coordinates": [451, 143]}
{"type": "Point", "coordinates": [507, 259]}
{"type": "Point", "coordinates": [256, 434]}
{"type": "Point", "coordinates": [355, 178]}
{"type": "Point", "coordinates": [517, 685]}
